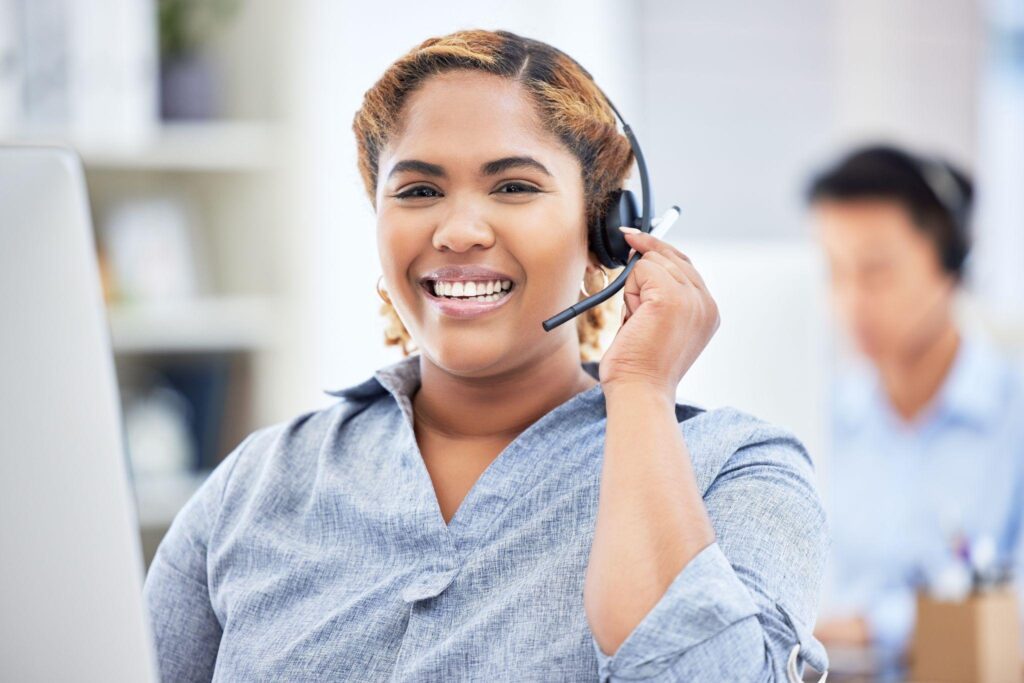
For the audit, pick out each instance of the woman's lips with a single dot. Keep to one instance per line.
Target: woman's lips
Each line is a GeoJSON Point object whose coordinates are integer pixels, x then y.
{"type": "Point", "coordinates": [468, 308]}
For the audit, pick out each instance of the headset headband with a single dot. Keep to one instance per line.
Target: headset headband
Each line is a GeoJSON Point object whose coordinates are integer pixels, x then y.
{"type": "Point", "coordinates": [646, 215]}
{"type": "Point", "coordinates": [943, 184]}
{"type": "Point", "coordinates": [641, 165]}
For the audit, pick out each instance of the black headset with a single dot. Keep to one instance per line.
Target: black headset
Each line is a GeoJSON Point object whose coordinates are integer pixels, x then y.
{"type": "Point", "coordinates": [604, 237]}
{"type": "Point", "coordinates": [950, 195]}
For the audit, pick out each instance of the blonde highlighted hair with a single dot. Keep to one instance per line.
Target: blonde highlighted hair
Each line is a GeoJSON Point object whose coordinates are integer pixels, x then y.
{"type": "Point", "coordinates": [568, 101]}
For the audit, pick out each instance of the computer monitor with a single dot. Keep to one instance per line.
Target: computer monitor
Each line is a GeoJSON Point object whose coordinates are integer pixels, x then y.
{"type": "Point", "coordinates": [71, 567]}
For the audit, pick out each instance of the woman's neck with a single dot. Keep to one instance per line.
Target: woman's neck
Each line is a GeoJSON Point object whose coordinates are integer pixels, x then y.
{"type": "Point", "coordinates": [499, 406]}
{"type": "Point", "coordinates": [913, 379]}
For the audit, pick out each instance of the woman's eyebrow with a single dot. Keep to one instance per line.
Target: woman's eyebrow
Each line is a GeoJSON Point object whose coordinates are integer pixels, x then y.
{"type": "Point", "coordinates": [500, 165]}
{"type": "Point", "coordinates": [417, 166]}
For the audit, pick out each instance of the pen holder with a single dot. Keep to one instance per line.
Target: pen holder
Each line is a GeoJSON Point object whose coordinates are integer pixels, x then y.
{"type": "Point", "coordinates": [976, 639]}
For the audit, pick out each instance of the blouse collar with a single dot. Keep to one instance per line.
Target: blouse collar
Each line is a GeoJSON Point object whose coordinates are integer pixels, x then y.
{"type": "Point", "coordinates": [970, 391]}
{"type": "Point", "coordinates": [402, 379]}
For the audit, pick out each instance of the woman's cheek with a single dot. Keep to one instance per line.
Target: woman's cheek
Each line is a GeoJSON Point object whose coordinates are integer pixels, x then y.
{"type": "Point", "coordinates": [548, 244]}
{"type": "Point", "coordinates": [397, 255]}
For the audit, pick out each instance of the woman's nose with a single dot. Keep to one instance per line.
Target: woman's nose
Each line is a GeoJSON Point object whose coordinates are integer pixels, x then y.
{"type": "Point", "coordinates": [462, 229]}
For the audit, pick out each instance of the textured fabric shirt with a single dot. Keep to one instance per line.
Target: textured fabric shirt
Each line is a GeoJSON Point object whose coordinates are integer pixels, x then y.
{"type": "Point", "coordinates": [900, 493]}
{"type": "Point", "coordinates": [317, 551]}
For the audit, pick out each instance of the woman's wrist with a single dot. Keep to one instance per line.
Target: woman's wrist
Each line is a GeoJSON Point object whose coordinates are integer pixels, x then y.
{"type": "Point", "coordinates": [632, 392]}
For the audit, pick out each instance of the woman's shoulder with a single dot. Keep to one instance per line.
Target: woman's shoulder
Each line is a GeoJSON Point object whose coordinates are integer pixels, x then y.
{"type": "Point", "coordinates": [761, 493]}
{"type": "Point", "coordinates": [727, 441]}
{"type": "Point", "coordinates": [721, 442]}
{"type": "Point", "coordinates": [278, 457]}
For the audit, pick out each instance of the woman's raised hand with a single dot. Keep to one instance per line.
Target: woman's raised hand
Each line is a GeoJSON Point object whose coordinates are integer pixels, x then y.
{"type": "Point", "coordinates": [668, 319]}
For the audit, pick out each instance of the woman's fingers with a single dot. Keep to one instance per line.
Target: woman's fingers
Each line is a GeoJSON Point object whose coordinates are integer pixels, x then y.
{"type": "Point", "coordinates": [669, 265]}
{"type": "Point", "coordinates": [646, 243]}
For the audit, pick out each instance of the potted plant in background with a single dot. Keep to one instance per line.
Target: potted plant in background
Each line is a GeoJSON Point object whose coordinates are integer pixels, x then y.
{"type": "Point", "coordinates": [188, 81]}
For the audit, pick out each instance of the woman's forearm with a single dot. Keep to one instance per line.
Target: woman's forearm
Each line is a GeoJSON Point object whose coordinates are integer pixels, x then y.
{"type": "Point", "coordinates": [651, 519]}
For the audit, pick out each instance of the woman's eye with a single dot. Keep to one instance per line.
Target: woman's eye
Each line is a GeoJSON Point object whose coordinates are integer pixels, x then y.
{"type": "Point", "coordinates": [516, 188]}
{"type": "Point", "coordinates": [419, 192]}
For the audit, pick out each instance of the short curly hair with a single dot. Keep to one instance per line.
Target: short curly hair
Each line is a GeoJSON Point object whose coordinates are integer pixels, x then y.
{"type": "Point", "coordinates": [569, 103]}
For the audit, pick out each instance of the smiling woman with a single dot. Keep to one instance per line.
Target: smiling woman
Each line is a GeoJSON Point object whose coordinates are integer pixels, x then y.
{"type": "Point", "coordinates": [496, 507]}
{"type": "Point", "coordinates": [549, 95]}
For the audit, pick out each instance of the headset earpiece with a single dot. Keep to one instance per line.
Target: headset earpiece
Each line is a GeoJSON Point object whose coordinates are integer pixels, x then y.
{"type": "Point", "coordinates": [945, 187]}
{"type": "Point", "coordinates": [608, 242]}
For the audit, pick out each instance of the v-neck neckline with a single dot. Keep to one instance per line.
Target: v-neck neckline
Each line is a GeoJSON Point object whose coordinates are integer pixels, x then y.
{"type": "Point", "coordinates": [495, 476]}
{"type": "Point", "coordinates": [503, 478]}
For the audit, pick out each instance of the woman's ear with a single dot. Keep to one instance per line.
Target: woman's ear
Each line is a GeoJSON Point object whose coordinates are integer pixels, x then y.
{"type": "Point", "coordinates": [595, 276]}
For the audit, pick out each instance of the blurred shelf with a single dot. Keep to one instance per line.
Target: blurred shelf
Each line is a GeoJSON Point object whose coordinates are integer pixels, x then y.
{"type": "Point", "coordinates": [192, 325]}
{"type": "Point", "coordinates": [160, 496]}
{"type": "Point", "coordinates": [198, 146]}
{"type": "Point", "coordinates": [215, 146]}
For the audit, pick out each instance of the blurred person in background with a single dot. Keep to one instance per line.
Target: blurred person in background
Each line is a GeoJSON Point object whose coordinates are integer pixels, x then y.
{"type": "Point", "coordinates": [928, 429]}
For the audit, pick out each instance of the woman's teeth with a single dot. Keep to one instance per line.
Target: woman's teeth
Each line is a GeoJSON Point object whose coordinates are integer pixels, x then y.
{"type": "Point", "coordinates": [479, 291]}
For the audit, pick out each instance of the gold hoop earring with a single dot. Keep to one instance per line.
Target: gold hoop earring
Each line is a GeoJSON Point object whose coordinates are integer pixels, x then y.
{"type": "Point", "coordinates": [583, 283]}
{"type": "Point", "coordinates": [382, 294]}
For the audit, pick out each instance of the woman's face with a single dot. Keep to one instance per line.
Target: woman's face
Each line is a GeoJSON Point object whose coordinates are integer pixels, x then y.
{"type": "Point", "coordinates": [472, 183]}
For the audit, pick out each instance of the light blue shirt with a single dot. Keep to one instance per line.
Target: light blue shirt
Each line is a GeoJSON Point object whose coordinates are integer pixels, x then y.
{"type": "Point", "coordinates": [317, 551]}
{"type": "Point", "coordinates": [899, 492]}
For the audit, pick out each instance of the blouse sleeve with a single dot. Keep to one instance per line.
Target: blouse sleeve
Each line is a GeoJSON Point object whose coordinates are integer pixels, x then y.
{"type": "Point", "coordinates": [176, 593]}
{"type": "Point", "coordinates": [742, 609]}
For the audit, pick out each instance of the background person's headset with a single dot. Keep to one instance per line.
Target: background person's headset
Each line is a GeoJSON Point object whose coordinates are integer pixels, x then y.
{"type": "Point", "coordinates": [950, 194]}
{"type": "Point", "coordinates": [954, 201]}
{"type": "Point", "coordinates": [604, 237]}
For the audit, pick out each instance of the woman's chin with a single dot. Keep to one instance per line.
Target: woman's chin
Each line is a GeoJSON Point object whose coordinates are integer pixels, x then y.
{"type": "Point", "coordinates": [467, 354]}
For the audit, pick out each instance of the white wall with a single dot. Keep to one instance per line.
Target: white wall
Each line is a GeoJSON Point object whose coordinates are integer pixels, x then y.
{"type": "Point", "coordinates": [744, 99]}
{"type": "Point", "coordinates": [737, 104]}
{"type": "Point", "coordinates": [909, 70]}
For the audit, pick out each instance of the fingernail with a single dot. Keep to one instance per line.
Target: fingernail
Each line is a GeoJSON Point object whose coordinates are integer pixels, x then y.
{"type": "Point", "coordinates": [626, 228]}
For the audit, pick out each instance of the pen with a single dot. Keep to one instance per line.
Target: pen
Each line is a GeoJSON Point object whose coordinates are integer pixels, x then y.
{"type": "Point", "coordinates": [665, 223]}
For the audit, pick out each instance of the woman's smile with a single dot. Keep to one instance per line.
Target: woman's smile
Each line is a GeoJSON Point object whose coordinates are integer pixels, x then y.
{"type": "Point", "coordinates": [467, 299]}
{"type": "Point", "coordinates": [467, 291]}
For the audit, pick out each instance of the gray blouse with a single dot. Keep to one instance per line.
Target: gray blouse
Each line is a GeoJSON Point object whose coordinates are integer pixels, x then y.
{"type": "Point", "coordinates": [317, 551]}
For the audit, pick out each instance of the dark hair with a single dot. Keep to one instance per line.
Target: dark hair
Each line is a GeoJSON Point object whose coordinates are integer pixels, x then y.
{"type": "Point", "coordinates": [887, 172]}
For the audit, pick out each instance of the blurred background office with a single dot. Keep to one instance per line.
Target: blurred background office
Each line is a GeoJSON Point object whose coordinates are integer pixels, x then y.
{"type": "Point", "coordinates": [239, 251]}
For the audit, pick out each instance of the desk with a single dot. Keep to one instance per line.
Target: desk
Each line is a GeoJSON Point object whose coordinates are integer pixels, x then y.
{"type": "Point", "coordinates": [862, 665]}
